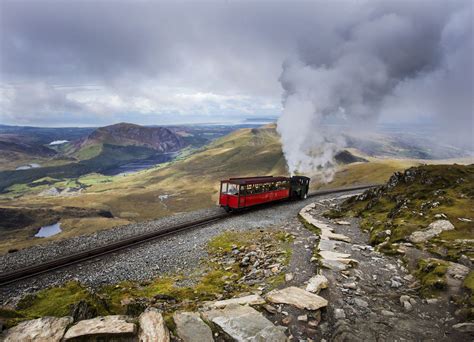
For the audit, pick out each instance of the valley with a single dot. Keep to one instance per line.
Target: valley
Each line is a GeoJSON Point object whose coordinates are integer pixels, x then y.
{"type": "Point", "coordinates": [184, 181]}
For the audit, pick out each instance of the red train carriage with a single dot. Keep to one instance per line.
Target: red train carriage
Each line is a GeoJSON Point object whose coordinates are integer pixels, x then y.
{"type": "Point", "coordinates": [238, 193]}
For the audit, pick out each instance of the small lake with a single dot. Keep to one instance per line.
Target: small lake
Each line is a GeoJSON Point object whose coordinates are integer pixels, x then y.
{"type": "Point", "coordinates": [140, 165]}
{"type": "Point", "coordinates": [48, 231]}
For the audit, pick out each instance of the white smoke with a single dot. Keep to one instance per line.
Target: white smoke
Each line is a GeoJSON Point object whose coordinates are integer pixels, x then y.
{"type": "Point", "coordinates": [395, 59]}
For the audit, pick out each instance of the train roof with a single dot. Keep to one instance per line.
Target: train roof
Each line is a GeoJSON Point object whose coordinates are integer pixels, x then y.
{"type": "Point", "coordinates": [255, 180]}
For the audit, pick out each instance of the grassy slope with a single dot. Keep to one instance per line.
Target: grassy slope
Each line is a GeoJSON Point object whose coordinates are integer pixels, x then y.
{"type": "Point", "coordinates": [191, 183]}
{"type": "Point", "coordinates": [412, 205]}
{"type": "Point", "coordinates": [421, 194]}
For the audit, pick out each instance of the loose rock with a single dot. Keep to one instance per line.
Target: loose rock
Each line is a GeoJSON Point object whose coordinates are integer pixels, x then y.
{"type": "Point", "coordinates": [45, 329]}
{"type": "Point", "coordinates": [152, 327]}
{"type": "Point", "coordinates": [191, 328]}
{"type": "Point", "coordinates": [106, 326]}
{"type": "Point", "coordinates": [297, 297]}
{"type": "Point", "coordinates": [244, 323]}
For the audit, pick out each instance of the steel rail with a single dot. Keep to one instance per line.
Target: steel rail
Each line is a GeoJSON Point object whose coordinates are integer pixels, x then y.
{"type": "Point", "coordinates": [48, 266]}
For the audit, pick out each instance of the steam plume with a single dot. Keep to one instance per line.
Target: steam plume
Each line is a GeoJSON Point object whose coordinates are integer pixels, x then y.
{"type": "Point", "coordinates": [391, 60]}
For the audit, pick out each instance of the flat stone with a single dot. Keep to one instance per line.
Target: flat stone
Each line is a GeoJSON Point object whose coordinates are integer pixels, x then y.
{"type": "Point", "coordinates": [152, 327]}
{"type": "Point", "coordinates": [297, 297]}
{"type": "Point", "coordinates": [253, 299]}
{"type": "Point", "coordinates": [343, 223]}
{"type": "Point", "coordinates": [245, 324]}
{"type": "Point", "coordinates": [105, 326]}
{"type": "Point", "coordinates": [191, 328]}
{"type": "Point", "coordinates": [334, 265]}
{"type": "Point", "coordinates": [317, 283]}
{"type": "Point", "coordinates": [464, 327]}
{"type": "Point", "coordinates": [333, 255]}
{"type": "Point", "coordinates": [44, 329]}
{"type": "Point", "coordinates": [434, 229]}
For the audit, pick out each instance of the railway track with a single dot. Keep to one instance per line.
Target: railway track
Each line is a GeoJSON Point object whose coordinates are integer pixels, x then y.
{"type": "Point", "coordinates": [35, 270]}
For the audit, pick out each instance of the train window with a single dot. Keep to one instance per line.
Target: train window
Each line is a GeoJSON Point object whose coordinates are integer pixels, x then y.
{"type": "Point", "coordinates": [232, 189]}
{"type": "Point", "coordinates": [224, 187]}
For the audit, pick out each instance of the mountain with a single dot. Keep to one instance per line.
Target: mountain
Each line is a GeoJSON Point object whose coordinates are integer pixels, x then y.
{"type": "Point", "coordinates": [159, 139]}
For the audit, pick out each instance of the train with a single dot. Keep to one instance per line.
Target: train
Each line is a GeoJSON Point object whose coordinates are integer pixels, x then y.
{"type": "Point", "coordinates": [245, 192]}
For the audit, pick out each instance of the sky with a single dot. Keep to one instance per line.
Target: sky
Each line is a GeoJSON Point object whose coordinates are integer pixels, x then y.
{"type": "Point", "coordinates": [80, 63]}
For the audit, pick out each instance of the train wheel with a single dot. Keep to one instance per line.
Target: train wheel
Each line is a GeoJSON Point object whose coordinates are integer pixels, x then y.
{"type": "Point", "coordinates": [228, 209]}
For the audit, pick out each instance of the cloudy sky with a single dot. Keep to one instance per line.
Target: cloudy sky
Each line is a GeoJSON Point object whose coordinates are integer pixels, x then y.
{"type": "Point", "coordinates": [153, 62]}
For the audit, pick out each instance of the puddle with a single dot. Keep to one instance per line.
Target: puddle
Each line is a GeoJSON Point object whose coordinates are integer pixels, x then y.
{"type": "Point", "coordinates": [48, 231]}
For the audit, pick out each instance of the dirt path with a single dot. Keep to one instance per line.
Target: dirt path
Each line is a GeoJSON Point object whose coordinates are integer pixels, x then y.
{"type": "Point", "coordinates": [376, 300]}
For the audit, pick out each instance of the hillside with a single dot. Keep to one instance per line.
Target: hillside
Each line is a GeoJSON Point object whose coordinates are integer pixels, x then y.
{"type": "Point", "coordinates": [159, 139]}
{"type": "Point", "coordinates": [424, 214]}
{"type": "Point", "coordinates": [185, 184]}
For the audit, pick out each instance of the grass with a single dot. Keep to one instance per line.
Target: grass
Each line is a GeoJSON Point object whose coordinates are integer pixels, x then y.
{"type": "Point", "coordinates": [411, 206]}
{"type": "Point", "coordinates": [420, 196]}
{"type": "Point", "coordinates": [210, 281]}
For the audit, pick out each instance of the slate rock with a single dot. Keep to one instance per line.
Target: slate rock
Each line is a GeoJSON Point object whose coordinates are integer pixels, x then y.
{"type": "Point", "coordinates": [191, 328]}
{"type": "Point", "coordinates": [245, 324]}
{"type": "Point", "coordinates": [297, 297]}
{"type": "Point", "coordinates": [152, 327]}
{"type": "Point", "coordinates": [44, 329]}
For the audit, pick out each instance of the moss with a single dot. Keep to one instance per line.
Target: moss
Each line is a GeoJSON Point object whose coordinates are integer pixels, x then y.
{"type": "Point", "coordinates": [57, 301]}
{"type": "Point", "coordinates": [333, 214]}
{"type": "Point", "coordinates": [432, 275]}
{"type": "Point", "coordinates": [212, 281]}
{"type": "Point", "coordinates": [309, 226]}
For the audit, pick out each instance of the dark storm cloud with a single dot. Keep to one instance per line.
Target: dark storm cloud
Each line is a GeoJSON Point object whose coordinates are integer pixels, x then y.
{"type": "Point", "coordinates": [116, 57]}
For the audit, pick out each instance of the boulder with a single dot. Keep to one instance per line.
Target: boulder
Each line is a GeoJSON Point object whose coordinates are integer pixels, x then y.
{"type": "Point", "coordinates": [116, 327]}
{"type": "Point", "coordinates": [297, 297]}
{"type": "Point", "coordinates": [249, 300]}
{"type": "Point", "coordinates": [245, 324]}
{"type": "Point", "coordinates": [152, 327]}
{"type": "Point", "coordinates": [317, 283]}
{"type": "Point", "coordinates": [434, 229]}
{"type": "Point", "coordinates": [44, 329]}
{"type": "Point", "coordinates": [191, 328]}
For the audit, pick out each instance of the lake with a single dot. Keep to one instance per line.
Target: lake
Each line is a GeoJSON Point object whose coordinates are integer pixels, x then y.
{"type": "Point", "coordinates": [140, 165]}
{"type": "Point", "coordinates": [48, 231]}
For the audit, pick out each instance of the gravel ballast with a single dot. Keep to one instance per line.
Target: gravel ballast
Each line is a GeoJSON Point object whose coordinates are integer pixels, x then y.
{"type": "Point", "coordinates": [176, 253]}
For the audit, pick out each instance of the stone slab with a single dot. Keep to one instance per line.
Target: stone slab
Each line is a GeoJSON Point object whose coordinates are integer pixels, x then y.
{"type": "Point", "coordinates": [297, 297]}
{"type": "Point", "coordinates": [44, 329]}
{"type": "Point", "coordinates": [245, 324]}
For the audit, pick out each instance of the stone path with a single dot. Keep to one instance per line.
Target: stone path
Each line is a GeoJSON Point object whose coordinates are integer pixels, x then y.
{"type": "Point", "coordinates": [371, 296]}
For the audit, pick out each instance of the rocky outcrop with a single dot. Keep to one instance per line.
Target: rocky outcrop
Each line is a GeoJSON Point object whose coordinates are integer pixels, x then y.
{"type": "Point", "coordinates": [191, 328]}
{"type": "Point", "coordinates": [243, 324]}
{"type": "Point", "coordinates": [297, 297]}
{"type": "Point", "coordinates": [116, 327]}
{"type": "Point", "coordinates": [434, 229]}
{"type": "Point", "coordinates": [45, 329]}
{"type": "Point", "coordinates": [152, 327]}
